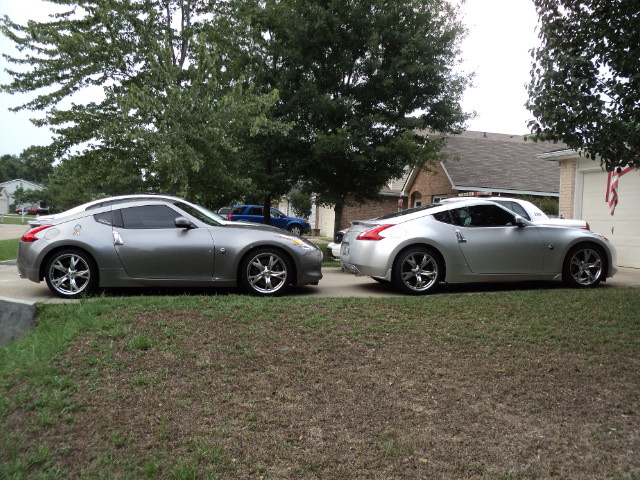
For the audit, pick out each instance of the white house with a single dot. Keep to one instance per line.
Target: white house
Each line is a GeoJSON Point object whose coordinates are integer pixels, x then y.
{"type": "Point", "coordinates": [12, 185]}
{"type": "Point", "coordinates": [583, 187]}
{"type": "Point", "coordinates": [4, 201]}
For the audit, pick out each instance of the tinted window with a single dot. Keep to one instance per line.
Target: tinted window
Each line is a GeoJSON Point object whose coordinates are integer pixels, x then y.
{"type": "Point", "coordinates": [113, 218]}
{"type": "Point", "coordinates": [104, 218]}
{"type": "Point", "coordinates": [255, 211]}
{"type": "Point", "coordinates": [202, 214]}
{"type": "Point", "coordinates": [482, 216]}
{"type": "Point", "coordinates": [149, 216]}
{"type": "Point", "coordinates": [443, 217]}
{"type": "Point", "coordinates": [514, 207]}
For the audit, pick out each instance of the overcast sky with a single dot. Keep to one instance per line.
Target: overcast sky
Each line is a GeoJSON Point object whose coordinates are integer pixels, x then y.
{"type": "Point", "coordinates": [501, 33]}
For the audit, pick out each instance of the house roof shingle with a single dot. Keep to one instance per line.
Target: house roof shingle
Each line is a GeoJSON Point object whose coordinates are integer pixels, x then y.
{"type": "Point", "coordinates": [501, 163]}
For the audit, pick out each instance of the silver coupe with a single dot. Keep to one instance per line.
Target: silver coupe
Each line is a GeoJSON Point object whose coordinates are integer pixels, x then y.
{"type": "Point", "coordinates": [472, 241]}
{"type": "Point", "coordinates": [159, 240]}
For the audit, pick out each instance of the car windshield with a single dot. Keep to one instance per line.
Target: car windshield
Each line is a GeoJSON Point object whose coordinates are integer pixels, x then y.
{"type": "Point", "coordinates": [408, 211]}
{"type": "Point", "coordinates": [201, 213]}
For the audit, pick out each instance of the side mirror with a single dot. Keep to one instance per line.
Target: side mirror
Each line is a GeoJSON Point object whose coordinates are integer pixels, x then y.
{"type": "Point", "coordinates": [520, 221]}
{"type": "Point", "coordinates": [182, 222]}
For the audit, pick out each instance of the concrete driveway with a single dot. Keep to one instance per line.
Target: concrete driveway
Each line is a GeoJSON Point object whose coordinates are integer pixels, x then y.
{"type": "Point", "coordinates": [334, 284]}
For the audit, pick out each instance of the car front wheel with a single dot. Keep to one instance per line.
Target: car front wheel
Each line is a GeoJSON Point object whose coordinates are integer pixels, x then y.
{"type": "Point", "coordinates": [584, 266]}
{"type": "Point", "coordinates": [295, 229]}
{"type": "Point", "coordinates": [71, 273]}
{"type": "Point", "coordinates": [266, 272]}
{"type": "Point", "coordinates": [417, 271]}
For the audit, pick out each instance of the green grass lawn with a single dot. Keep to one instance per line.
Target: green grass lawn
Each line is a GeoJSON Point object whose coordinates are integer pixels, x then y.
{"type": "Point", "coordinates": [9, 249]}
{"type": "Point", "coordinates": [13, 219]}
{"type": "Point", "coordinates": [541, 383]}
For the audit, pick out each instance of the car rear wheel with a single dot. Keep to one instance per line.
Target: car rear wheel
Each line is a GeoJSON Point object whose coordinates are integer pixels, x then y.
{"type": "Point", "coordinates": [266, 272]}
{"type": "Point", "coordinates": [584, 266]}
{"type": "Point", "coordinates": [71, 273]}
{"type": "Point", "coordinates": [295, 229]}
{"type": "Point", "coordinates": [417, 271]}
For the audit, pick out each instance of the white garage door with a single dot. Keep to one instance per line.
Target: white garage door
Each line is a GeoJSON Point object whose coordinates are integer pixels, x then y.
{"type": "Point", "coordinates": [623, 228]}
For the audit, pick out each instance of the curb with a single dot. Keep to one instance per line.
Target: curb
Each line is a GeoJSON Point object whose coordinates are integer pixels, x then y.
{"type": "Point", "coordinates": [17, 318]}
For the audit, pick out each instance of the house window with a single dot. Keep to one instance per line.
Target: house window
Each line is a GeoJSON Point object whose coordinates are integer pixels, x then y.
{"type": "Point", "coordinates": [438, 198]}
{"type": "Point", "coordinates": [416, 199]}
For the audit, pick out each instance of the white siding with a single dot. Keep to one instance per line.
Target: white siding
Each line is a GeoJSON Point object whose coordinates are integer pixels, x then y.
{"type": "Point", "coordinates": [623, 228]}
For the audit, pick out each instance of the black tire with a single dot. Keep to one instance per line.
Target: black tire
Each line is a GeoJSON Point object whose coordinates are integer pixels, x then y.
{"type": "Point", "coordinates": [266, 272]}
{"type": "Point", "coordinates": [295, 229]}
{"type": "Point", "coordinates": [71, 273]}
{"type": "Point", "coordinates": [417, 271]}
{"type": "Point", "coordinates": [585, 266]}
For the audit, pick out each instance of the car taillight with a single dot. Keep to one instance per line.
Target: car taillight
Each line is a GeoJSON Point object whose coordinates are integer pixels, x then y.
{"type": "Point", "coordinates": [229, 217]}
{"type": "Point", "coordinates": [373, 234]}
{"type": "Point", "coordinates": [30, 236]}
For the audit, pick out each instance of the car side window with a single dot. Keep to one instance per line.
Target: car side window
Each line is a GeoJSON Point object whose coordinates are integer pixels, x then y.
{"type": "Point", "coordinates": [443, 217]}
{"type": "Point", "coordinates": [482, 216]}
{"type": "Point", "coordinates": [111, 218]}
{"type": "Point", "coordinates": [515, 207]}
{"type": "Point", "coordinates": [104, 218]}
{"type": "Point", "coordinates": [255, 211]}
{"type": "Point", "coordinates": [276, 214]}
{"type": "Point", "coordinates": [149, 217]}
{"type": "Point", "coordinates": [461, 217]}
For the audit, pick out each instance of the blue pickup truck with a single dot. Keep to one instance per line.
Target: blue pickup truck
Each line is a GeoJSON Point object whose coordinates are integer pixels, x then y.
{"type": "Point", "coordinates": [254, 213]}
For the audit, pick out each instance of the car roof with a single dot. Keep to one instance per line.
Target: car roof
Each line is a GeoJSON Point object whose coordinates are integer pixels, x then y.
{"type": "Point", "coordinates": [413, 213]}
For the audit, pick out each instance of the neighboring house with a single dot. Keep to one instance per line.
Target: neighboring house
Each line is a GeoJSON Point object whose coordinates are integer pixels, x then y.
{"type": "Point", "coordinates": [477, 162]}
{"type": "Point", "coordinates": [12, 185]}
{"type": "Point", "coordinates": [4, 201]}
{"type": "Point", "coordinates": [583, 187]}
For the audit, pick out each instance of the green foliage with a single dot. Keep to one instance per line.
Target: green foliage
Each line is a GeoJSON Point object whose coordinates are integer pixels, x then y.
{"type": "Point", "coordinates": [26, 167]}
{"type": "Point", "coordinates": [168, 113]}
{"type": "Point", "coordinates": [357, 79]}
{"type": "Point", "coordinates": [585, 88]}
{"type": "Point", "coordinates": [218, 100]}
{"type": "Point", "coordinates": [301, 203]}
{"type": "Point", "coordinates": [548, 205]}
{"type": "Point", "coordinates": [28, 196]}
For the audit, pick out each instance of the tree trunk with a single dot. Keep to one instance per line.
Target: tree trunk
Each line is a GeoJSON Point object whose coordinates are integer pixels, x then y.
{"type": "Point", "coordinates": [337, 224]}
{"type": "Point", "coordinates": [267, 210]}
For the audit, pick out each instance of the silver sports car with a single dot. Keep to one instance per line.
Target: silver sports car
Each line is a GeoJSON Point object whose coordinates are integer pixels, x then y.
{"type": "Point", "coordinates": [159, 240]}
{"type": "Point", "coordinates": [472, 241]}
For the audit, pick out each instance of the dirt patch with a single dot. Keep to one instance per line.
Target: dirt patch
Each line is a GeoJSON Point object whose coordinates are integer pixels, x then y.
{"type": "Point", "coordinates": [200, 394]}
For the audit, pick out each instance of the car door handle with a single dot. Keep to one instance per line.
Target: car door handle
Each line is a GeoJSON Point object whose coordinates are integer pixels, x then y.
{"type": "Point", "coordinates": [460, 237]}
{"type": "Point", "coordinates": [117, 239]}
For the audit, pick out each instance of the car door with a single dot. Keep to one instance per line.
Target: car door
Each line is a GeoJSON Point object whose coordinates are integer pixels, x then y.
{"type": "Point", "coordinates": [278, 219]}
{"type": "Point", "coordinates": [492, 243]}
{"type": "Point", "coordinates": [149, 245]}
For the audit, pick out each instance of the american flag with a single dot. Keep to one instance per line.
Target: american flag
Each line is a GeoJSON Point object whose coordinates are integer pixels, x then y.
{"type": "Point", "coordinates": [612, 186]}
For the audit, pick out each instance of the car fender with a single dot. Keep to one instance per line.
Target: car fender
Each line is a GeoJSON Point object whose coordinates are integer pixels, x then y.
{"type": "Point", "coordinates": [554, 235]}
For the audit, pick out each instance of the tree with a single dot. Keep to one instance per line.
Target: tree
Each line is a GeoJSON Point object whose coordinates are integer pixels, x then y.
{"type": "Point", "coordinates": [28, 166]}
{"type": "Point", "coordinates": [585, 87]}
{"type": "Point", "coordinates": [11, 168]}
{"type": "Point", "coordinates": [167, 108]}
{"type": "Point", "coordinates": [357, 80]}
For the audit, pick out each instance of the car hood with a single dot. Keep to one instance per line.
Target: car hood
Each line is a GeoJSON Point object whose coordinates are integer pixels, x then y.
{"type": "Point", "coordinates": [563, 222]}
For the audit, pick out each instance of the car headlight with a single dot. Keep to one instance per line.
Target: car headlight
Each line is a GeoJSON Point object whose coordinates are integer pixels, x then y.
{"type": "Point", "coordinates": [299, 241]}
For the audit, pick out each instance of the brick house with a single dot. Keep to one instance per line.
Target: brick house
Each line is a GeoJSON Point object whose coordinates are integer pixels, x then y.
{"type": "Point", "coordinates": [494, 163]}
